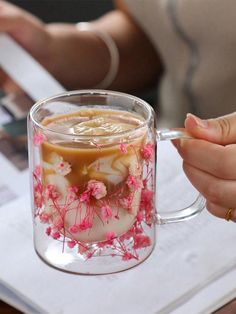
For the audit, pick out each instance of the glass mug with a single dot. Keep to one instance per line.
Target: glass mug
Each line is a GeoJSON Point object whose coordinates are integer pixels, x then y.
{"type": "Point", "coordinates": [92, 159]}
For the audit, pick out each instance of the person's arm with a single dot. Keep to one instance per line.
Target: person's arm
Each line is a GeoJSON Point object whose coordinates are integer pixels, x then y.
{"type": "Point", "coordinates": [81, 59]}
{"type": "Point", "coordinates": [210, 161]}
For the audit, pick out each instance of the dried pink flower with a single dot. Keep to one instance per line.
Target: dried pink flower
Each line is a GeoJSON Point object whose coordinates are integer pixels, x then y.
{"type": "Point", "coordinates": [141, 241]}
{"type": "Point", "coordinates": [56, 235]}
{"type": "Point", "coordinates": [71, 244]}
{"type": "Point", "coordinates": [89, 254]}
{"type": "Point", "coordinates": [48, 231]}
{"type": "Point", "coordinates": [38, 139]}
{"type": "Point", "coordinates": [110, 235]}
{"type": "Point", "coordinates": [138, 229]}
{"type": "Point", "coordinates": [73, 189]}
{"type": "Point", "coordinates": [51, 192]}
{"type": "Point", "coordinates": [72, 196]}
{"type": "Point", "coordinates": [147, 151]}
{"type": "Point", "coordinates": [74, 229]}
{"type": "Point", "coordinates": [97, 189]}
{"type": "Point", "coordinates": [85, 224]}
{"type": "Point", "coordinates": [62, 167]}
{"type": "Point", "coordinates": [146, 200]}
{"type": "Point", "coordinates": [44, 217]}
{"type": "Point", "coordinates": [38, 195]}
{"type": "Point", "coordinates": [127, 256]}
{"type": "Point", "coordinates": [139, 216]}
{"type": "Point", "coordinates": [123, 148]}
{"type": "Point", "coordinates": [134, 183]}
{"type": "Point", "coordinates": [84, 197]}
{"type": "Point", "coordinates": [126, 202]}
{"type": "Point", "coordinates": [37, 171]}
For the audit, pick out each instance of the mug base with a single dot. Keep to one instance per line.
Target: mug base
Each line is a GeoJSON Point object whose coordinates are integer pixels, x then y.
{"type": "Point", "coordinates": [100, 265]}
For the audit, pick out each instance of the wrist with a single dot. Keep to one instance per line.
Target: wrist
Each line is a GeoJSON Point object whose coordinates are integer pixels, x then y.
{"type": "Point", "coordinates": [112, 49]}
{"type": "Point", "coordinates": [78, 59]}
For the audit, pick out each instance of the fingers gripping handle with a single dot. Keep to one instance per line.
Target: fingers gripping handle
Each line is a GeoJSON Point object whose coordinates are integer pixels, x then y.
{"type": "Point", "coordinates": [198, 205]}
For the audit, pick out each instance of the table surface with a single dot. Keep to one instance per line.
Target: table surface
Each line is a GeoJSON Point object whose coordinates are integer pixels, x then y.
{"type": "Point", "coordinates": [229, 308]}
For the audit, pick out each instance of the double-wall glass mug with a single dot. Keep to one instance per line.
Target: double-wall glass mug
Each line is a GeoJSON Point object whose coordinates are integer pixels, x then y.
{"type": "Point", "coordinates": [92, 159]}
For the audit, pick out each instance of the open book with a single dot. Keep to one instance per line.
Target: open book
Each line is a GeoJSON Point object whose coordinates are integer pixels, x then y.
{"type": "Point", "coordinates": [192, 269]}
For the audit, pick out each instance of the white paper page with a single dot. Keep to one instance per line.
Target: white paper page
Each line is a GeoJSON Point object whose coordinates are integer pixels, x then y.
{"type": "Point", "coordinates": [188, 256]}
{"type": "Point", "coordinates": [17, 301]}
{"type": "Point", "coordinates": [212, 292]}
{"type": "Point", "coordinates": [13, 183]}
{"type": "Point", "coordinates": [6, 194]}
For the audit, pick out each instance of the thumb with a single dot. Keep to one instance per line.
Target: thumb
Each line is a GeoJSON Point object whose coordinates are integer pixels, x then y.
{"type": "Point", "coordinates": [221, 130]}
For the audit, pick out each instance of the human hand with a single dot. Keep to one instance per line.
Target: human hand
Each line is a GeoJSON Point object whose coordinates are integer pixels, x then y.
{"type": "Point", "coordinates": [209, 161]}
{"type": "Point", "coordinates": [28, 31]}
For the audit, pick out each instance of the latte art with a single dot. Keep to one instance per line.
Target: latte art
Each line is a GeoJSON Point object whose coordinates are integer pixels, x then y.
{"type": "Point", "coordinates": [94, 122]}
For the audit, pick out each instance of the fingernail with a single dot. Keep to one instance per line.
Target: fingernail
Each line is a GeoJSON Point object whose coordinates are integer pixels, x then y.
{"type": "Point", "coordinates": [197, 122]}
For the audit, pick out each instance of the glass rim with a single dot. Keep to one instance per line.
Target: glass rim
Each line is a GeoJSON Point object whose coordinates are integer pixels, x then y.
{"type": "Point", "coordinates": [87, 92]}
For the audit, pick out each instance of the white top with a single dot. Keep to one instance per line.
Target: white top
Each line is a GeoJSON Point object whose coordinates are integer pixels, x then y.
{"type": "Point", "coordinates": [196, 41]}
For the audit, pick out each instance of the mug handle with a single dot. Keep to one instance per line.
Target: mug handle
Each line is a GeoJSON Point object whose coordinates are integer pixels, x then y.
{"type": "Point", "coordinates": [198, 205]}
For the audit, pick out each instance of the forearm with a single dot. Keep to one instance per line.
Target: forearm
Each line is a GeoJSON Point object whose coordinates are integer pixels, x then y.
{"type": "Point", "coordinates": [81, 59]}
